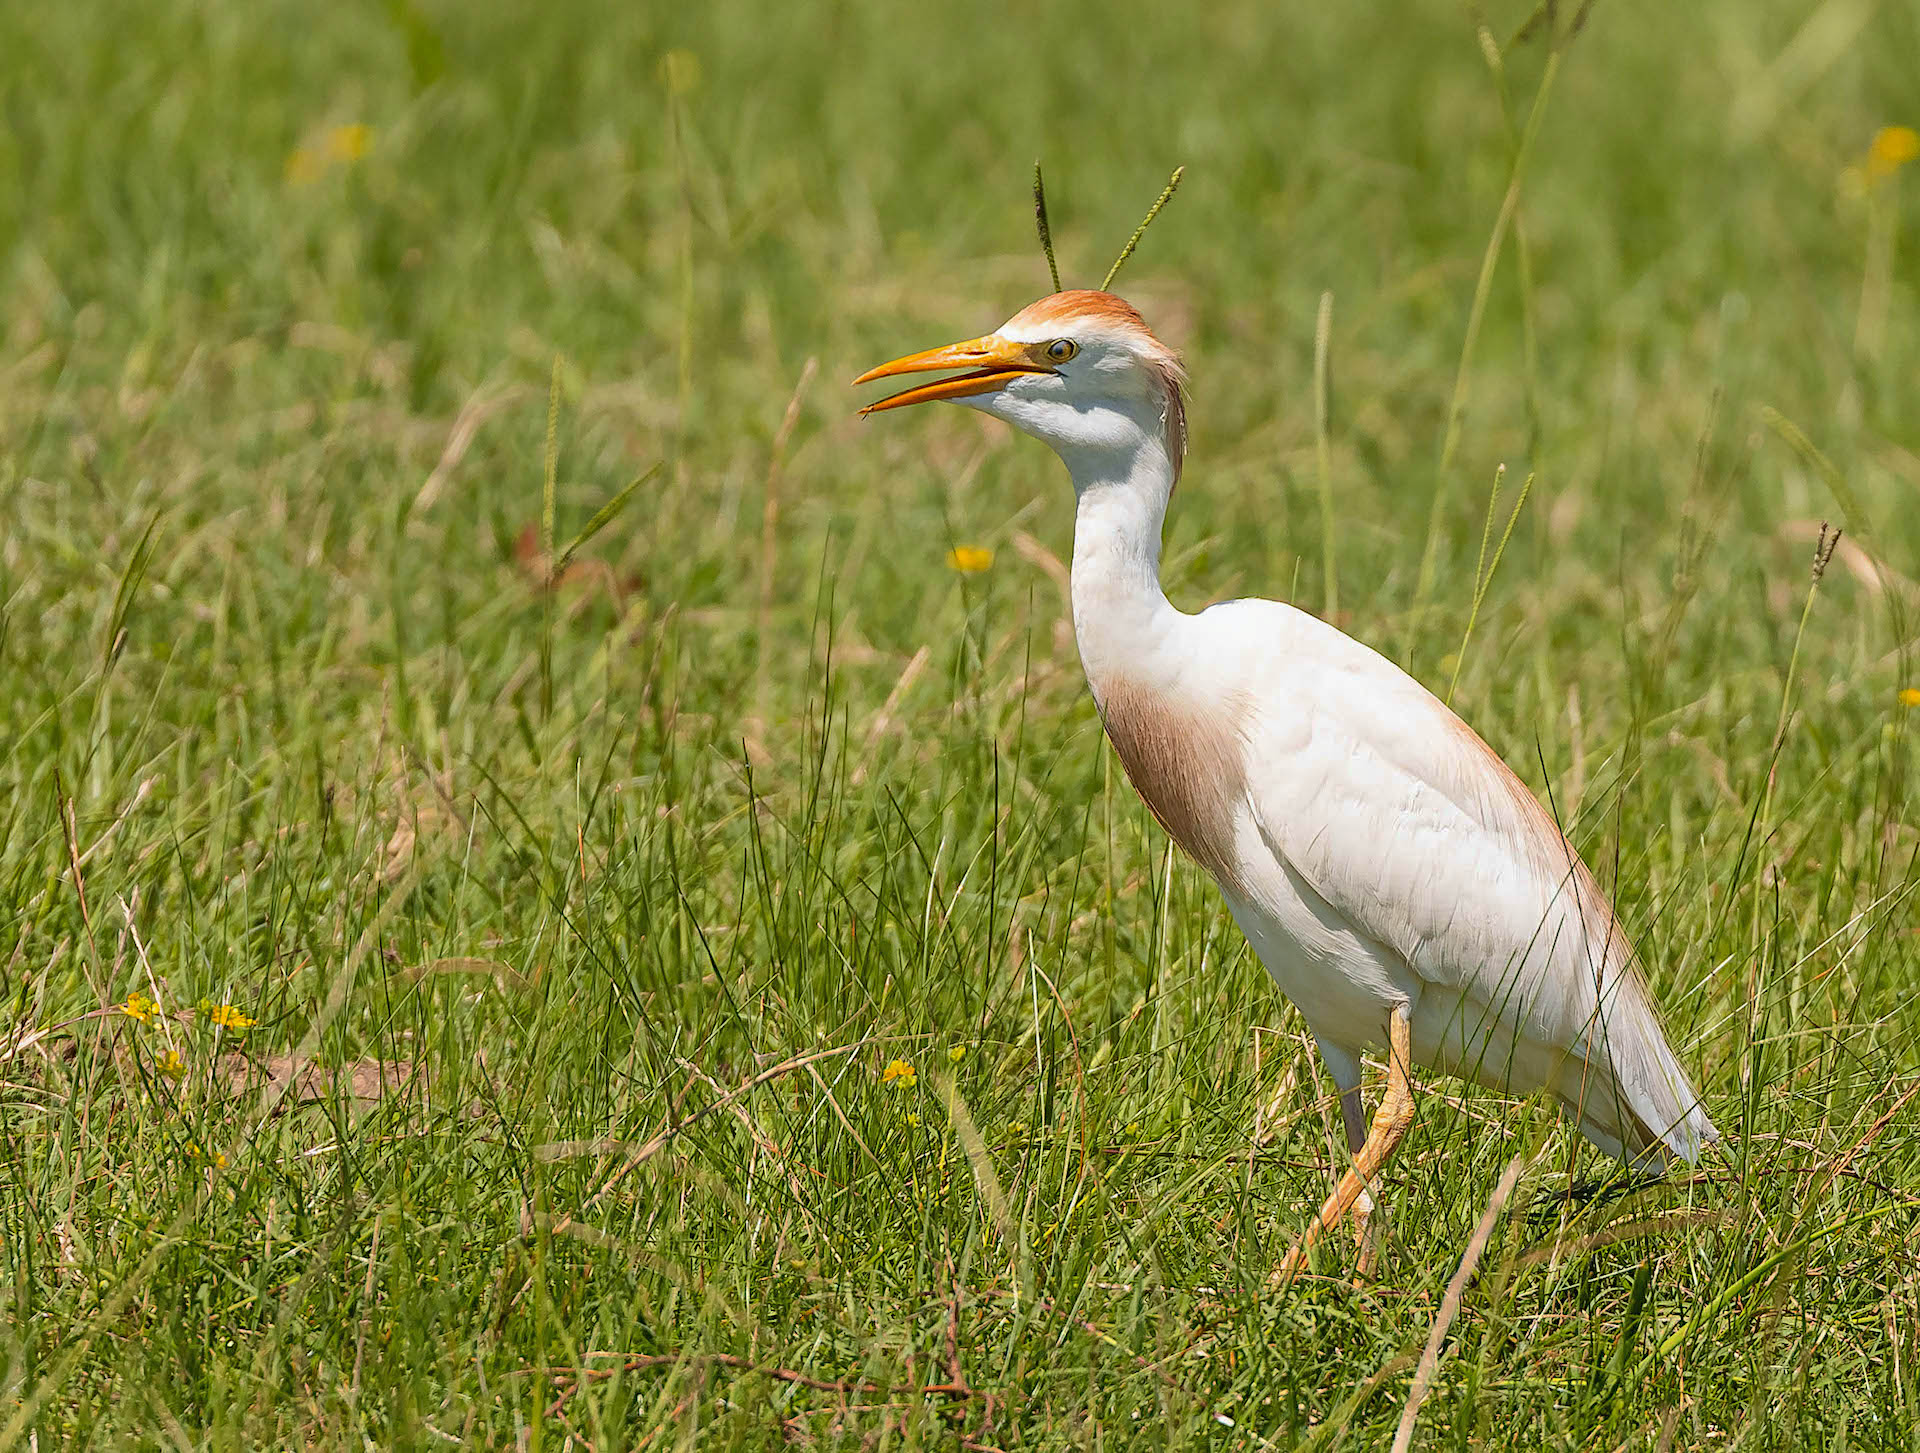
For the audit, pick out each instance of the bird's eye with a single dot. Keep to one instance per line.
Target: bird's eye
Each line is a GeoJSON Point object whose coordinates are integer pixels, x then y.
{"type": "Point", "coordinates": [1061, 349]}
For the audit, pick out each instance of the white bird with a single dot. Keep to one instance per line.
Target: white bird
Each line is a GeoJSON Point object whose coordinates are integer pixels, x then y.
{"type": "Point", "coordinates": [1396, 878]}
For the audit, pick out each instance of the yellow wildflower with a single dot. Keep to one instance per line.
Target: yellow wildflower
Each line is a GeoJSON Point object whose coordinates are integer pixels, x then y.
{"type": "Point", "coordinates": [350, 142]}
{"type": "Point", "coordinates": [680, 69]}
{"type": "Point", "coordinates": [304, 166]}
{"type": "Point", "coordinates": [219, 1159]}
{"type": "Point", "coordinates": [900, 1073]}
{"type": "Point", "coordinates": [173, 1065]}
{"type": "Point", "coordinates": [913, 1119]}
{"type": "Point", "coordinates": [1910, 696]}
{"type": "Point", "coordinates": [957, 1053]}
{"type": "Point", "coordinates": [1893, 147]}
{"type": "Point", "coordinates": [228, 1017]}
{"type": "Point", "coordinates": [139, 1008]}
{"type": "Point", "coordinates": [969, 559]}
{"type": "Point", "coordinates": [338, 146]}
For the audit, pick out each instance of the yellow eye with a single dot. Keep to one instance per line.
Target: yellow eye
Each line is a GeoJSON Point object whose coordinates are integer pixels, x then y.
{"type": "Point", "coordinates": [1061, 349]}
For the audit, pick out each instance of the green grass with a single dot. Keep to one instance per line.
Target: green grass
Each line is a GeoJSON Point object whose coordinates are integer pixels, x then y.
{"type": "Point", "coordinates": [297, 717]}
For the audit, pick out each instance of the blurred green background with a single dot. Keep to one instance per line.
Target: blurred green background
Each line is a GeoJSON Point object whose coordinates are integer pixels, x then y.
{"type": "Point", "coordinates": [515, 853]}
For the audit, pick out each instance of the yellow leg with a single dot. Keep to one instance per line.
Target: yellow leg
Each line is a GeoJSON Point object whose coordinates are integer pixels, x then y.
{"type": "Point", "coordinates": [1389, 1127]}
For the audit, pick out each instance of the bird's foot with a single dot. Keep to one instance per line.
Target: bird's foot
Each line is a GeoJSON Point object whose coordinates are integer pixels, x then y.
{"type": "Point", "coordinates": [1369, 1231]}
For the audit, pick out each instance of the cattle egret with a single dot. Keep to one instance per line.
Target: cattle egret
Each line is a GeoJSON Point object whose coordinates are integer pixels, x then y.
{"type": "Point", "coordinates": [1396, 878]}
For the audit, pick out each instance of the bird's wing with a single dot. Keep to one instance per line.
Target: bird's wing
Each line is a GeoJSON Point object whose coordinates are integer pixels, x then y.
{"type": "Point", "coordinates": [1394, 812]}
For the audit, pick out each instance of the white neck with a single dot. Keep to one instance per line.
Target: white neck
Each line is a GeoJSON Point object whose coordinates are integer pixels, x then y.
{"type": "Point", "coordinates": [1121, 618]}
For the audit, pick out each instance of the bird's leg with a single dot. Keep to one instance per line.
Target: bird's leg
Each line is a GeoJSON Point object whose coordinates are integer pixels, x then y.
{"type": "Point", "coordinates": [1366, 1231]}
{"type": "Point", "coordinates": [1369, 1232]}
{"type": "Point", "coordinates": [1390, 1124]}
{"type": "Point", "coordinates": [1353, 1118]}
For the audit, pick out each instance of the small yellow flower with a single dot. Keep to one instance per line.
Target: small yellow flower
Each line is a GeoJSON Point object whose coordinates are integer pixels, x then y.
{"type": "Point", "coordinates": [139, 1008]}
{"type": "Point", "coordinates": [305, 166]}
{"type": "Point", "coordinates": [350, 142]}
{"type": "Point", "coordinates": [969, 559]}
{"type": "Point", "coordinates": [957, 1053]}
{"type": "Point", "coordinates": [680, 69]}
{"type": "Point", "coordinates": [219, 1159]}
{"type": "Point", "coordinates": [1893, 147]}
{"type": "Point", "coordinates": [338, 146]}
{"type": "Point", "coordinates": [900, 1073]}
{"type": "Point", "coordinates": [1910, 696]}
{"type": "Point", "coordinates": [228, 1017]}
{"type": "Point", "coordinates": [913, 1119]}
{"type": "Point", "coordinates": [173, 1065]}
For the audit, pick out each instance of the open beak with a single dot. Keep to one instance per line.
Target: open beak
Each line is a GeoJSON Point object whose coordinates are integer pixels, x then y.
{"type": "Point", "coordinates": [990, 363]}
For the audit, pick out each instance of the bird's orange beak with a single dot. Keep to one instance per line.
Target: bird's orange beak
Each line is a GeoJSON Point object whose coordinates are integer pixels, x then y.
{"type": "Point", "coordinates": [991, 363]}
